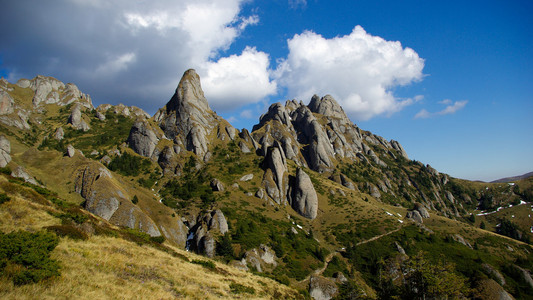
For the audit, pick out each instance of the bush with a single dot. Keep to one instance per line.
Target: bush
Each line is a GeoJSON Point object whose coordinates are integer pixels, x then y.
{"type": "Point", "coordinates": [205, 263]}
{"type": "Point", "coordinates": [5, 170]}
{"type": "Point", "coordinates": [4, 198]}
{"type": "Point", "coordinates": [25, 256]}
{"type": "Point", "coordinates": [237, 288]}
{"type": "Point", "coordinates": [135, 200]}
{"type": "Point", "coordinates": [68, 231]}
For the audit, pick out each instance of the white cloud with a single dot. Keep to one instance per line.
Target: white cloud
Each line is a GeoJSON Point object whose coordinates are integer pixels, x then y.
{"type": "Point", "coordinates": [119, 51]}
{"type": "Point", "coordinates": [237, 80]}
{"type": "Point", "coordinates": [451, 108]}
{"type": "Point", "coordinates": [358, 69]}
{"type": "Point", "coordinates": [113, 66]}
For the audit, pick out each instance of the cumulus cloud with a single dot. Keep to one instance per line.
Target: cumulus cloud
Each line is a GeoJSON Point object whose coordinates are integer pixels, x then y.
{"type": "Point", "coordinates": [358, 69]}
{"type": "Point", "coordinates": [297, 3]}
{"type": "Point", "coordinates": [238, 79]}
{"type": "Point", "coordinates": [130, 51]}
{"type": "Point", "coordinates": [451, 108]}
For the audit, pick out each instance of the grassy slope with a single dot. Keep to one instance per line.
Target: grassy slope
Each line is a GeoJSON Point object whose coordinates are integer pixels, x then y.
{"type": "Point", "coordinates": [111, 267]}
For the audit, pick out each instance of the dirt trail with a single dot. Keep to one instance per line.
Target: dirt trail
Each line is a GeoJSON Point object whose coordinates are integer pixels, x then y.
{"type": "Point", "coordinates": [318, 272]}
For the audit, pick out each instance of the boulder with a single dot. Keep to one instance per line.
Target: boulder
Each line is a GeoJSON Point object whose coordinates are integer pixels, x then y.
{"type": "Point", "coordinates": [76, 120]}
{"type": "Point", "coordinates": [415, 216]}
{"type": "Point", "coordinates": [303, 197]}
{"type": "Point", "coordinates": [396, 146]}
{"type": "Point", "coordinates": [70, 151]}
{"type": "Point", "coordinates": [321, 288]}
{"type": "Point", "coordinates": [422, 210]}
{"type": "Point", "coordinates": [247, 177]}
{"type": "Point", "coordinates": [218, 221]}
{"type": "Point", "coordinates": [216, 185]}
{"type": "Point", "coordinates": [142, 139]}
{"type": "Point", "coordinates": [59, 134]}
{"type": "Point", "coordinates": [5, 151]}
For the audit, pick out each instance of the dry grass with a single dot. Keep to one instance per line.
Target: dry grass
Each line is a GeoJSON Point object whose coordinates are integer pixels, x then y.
{"type": "Point", "coordinates": [112, 268]}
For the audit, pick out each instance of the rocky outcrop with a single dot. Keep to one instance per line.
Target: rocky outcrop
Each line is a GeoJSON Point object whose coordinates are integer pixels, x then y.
{"type": "Point", "coordinates": [418, 213]}
{"type": "Point", "coordinates": [76, 120]}
{"type": "Point", "coordinates": [19, 172]}
{"type": "Point", "coordinates": [70, 151]}
{"type": "Point", "coordinates": [216, 185]}
{"type": "Point", "coordinates": [142, 138]}
{"type": "Point", "coordinates": [303, 198]}
{"type": "Point", "coordinates": [203, 229]}
{"type": "Point", "coordinates": [5, 151]}
{"type": "Point", "coordinates": [396, 146]}
{"type": "Point", "coordinates": [321, 288]}
{"type": "Point", "coordinates": [491, 271]}
{"type": "Point", "coordinates": [105, 198]}
{"type": "Point", "coordinates": [276, 179]}
{"type": "Point", "coordinates": [6, 103]}
{"type": "Point", "coordinates": [261, 258]}
{"type": "Point", "coordinates": [59, 134]}
{"type": "Point", "coordinates": [187, 118]}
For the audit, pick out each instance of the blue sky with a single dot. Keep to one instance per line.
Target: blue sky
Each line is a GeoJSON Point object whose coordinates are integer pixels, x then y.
{"type": "Point", "coordinates": [451, 81]}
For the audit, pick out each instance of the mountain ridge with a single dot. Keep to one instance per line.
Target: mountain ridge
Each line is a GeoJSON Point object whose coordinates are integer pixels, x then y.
{"type": "Point", "coordinates": [306, 190]}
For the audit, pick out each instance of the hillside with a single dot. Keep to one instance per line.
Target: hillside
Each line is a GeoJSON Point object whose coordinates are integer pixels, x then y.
{"type": "Point", "coordinates": [513, 178]}
{"type": "Point", "coordinates": [307, 204]}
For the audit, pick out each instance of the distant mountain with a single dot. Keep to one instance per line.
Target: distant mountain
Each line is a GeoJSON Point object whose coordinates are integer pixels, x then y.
{"type": "Point", "coordinates": [514, 178]}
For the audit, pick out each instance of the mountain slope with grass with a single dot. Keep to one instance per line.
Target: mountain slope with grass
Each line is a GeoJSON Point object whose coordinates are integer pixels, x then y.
{"type": "Point", "coordinates": [307, 204]}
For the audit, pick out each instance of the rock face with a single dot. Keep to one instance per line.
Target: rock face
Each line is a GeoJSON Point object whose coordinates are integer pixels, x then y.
{"type": "Point", "coordinates": [105, 198]}
{"type": "Point", "coordinates": [418, 213]}
{"type": "Point", "coordinates": [260, 259]}
{"type": "Point", "coordinates": [187, 118]}
{"type": "Point", "coordinates": [5, 151]}
{"type": "Point", "coordinates": [275, 179]}
{"type": "Point", "coordinates": [76, 120]}
{"type": "Point", "coordinates": [321, 288]}
{"type": "Point", "coordinates": [142, 138]}
{"type": "Point", "coordinates": [203, 229]}
{"type": "Point", "coordinates": [6, 103]}
{"type": "Point", "coordinates": [303, 197]}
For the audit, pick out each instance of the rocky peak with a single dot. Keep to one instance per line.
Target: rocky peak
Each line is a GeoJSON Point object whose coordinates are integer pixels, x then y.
{"type": "Point", "coordinates": [189, 92]}
{"type": "Point", "coordinates": [328, 107]}
{"type": "Point", "coordinates": [187, 117]}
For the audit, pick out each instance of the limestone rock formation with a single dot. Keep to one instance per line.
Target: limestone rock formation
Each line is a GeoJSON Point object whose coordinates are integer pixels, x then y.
{"type": "Point", "coordinates": [260, 259]}
{"type": "Point", "coordinates": [275, 179]}
{"type": "Point", "coordinates": [19, 172]}
{"type": "Point", "coordinates": [216, 185]}
{"type": "Point", "coordinates": [142, 138]}
{"type": "Point", "coordinates": [6, 103]}
{"type": "Point", "coordinates": [5, 151]}
{"type": "Point", "coordinates": [321, 288]}
{"type": "Point", "coordinates": [303, 197]}
{"type": "Point", "coordinates": [107, 199]}
{"type": "Point", "coordinates": [70, 151]}
{"type": "Point", "coordinates": [59, 134]}
{"type": "Point", "coordinates": [76, 120]}
{"type": "Point", "coordinates": [187, 118]}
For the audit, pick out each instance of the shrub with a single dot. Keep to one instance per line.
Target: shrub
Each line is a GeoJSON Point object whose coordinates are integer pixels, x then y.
{"type": "Point", "coordinates": [4, 198]}
{"type": "Point", "coordinates": [5, 170]}
{"type": "Point", "coordinates": [135, 200]}
{"type": "Point", "coordinates": [25, 256]}
{"type": "Point", "coordinates": [68, 231]}
{"type": "Point", "coordinates": [204, 263]}
{"type": "Point", "coordinates": [237, 288]}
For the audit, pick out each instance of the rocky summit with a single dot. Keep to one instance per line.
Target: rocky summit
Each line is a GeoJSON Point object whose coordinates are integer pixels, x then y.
{"type": "Point", "coordinates": [186, 206]}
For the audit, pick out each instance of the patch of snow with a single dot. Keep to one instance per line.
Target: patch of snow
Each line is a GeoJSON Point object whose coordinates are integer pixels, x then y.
{"type": "Point", "coordinates": [511, 183]}
{"type": "Point", "coordinates": [299, 226]}
{"type": "Point", "coordinates": [400, 221]}
{"type": "Point", "coordinates": [399, 215]}
{"type": "Point", "coordinates": [388, 213]}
